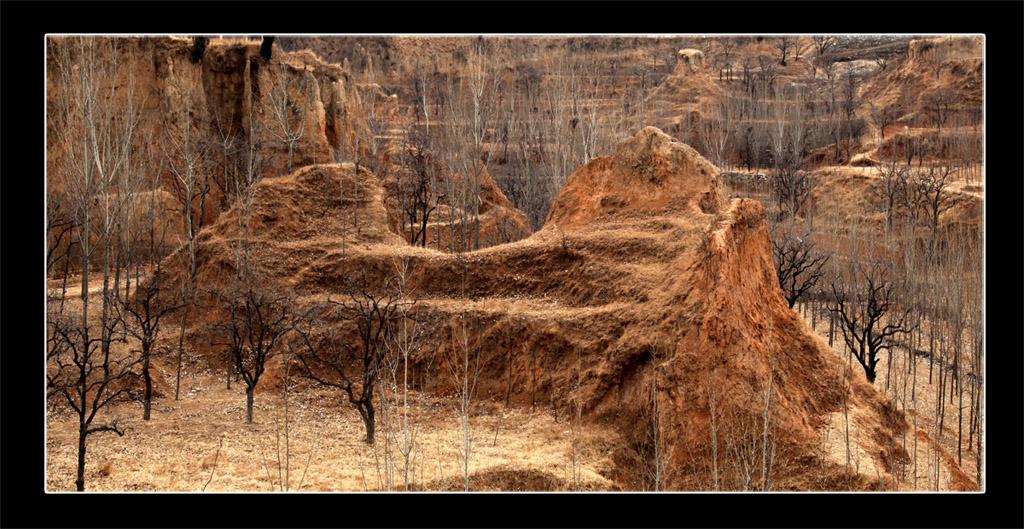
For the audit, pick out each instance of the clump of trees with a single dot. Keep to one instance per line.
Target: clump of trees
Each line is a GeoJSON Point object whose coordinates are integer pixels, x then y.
{"type": "Point", "coordinates": [94, 132]}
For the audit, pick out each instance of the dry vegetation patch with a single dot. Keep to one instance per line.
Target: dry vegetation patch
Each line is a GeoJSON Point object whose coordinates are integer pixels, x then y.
{"type": "Point", "coordinates": [201, 442]}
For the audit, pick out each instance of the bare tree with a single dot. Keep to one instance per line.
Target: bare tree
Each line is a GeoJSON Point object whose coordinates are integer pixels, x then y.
{"type": "Point", "coordinates": [463, 362]}
{"type": "Point", "coordinates": [786, 45]}
{"type": "Point", "coordinates": [257, 319]}
{"type": "Point", "coordinates": [188, 181]}
{"type": "Point", "coordinates": [765, 76]}
{"type": "Point", "coordinates": [416, 189]}
{"type": "Point", "coordinates": [726, 46]}
{"type": "Point", "coordinates": [650, 450]}
{"type": "Point", "coordinates": [822, 43]}
{"type": "Point", "coordinates": [368, 125]}
{"type": "Point", "coordinates": [254, 167]}
{"type": "Point", "coordinates": [400, 421]}
{"type": "Point", "coordinates": [834, 121]}
{"type": "Point", "coordinates": [327, 359]}
{"type": "Point", "coordinates": [469, 116]}
{"type": "Point", "coordinates": [185, 155]}
{"type": "Point", "coordinates": [88, 379]}
{"type": "Point", "coordinates": [932, 186]}
{"type": "Point", "coordinates": [882, 62]}
{"type": "Point", "coordinates": [791, 187]}
{"type": "Point", "coordinates": [940, 104]}
{"type": "Point", "coordinates": [892, 175]}
{"type": "Point", "coordinates": [800, 46]}
{"type": "Point", "coordinates": [869, 321]}
{"type": "Point", "coordinates": [256, 164]}
{"type": "Point", "coordinates": [593, 135]}
{"type": "Point", "coordinates": [750, 441]}
{"type": "Point", "coordinates": [289, 118]}
{"type": "Point", "coordinates": [853, 126]}
{"type": "Point", "coordinates": [229, 146]}
{"type": "Point", "coordinates": [798, 264]}
{"type": "Point", "coordinates": [716, 127]}
{"type": "Point", "coordinates": [60, 240]}
{"type": "Point", "coordinates": [882, 116]}
{"type": "Point", "coordinates": [150, 303]}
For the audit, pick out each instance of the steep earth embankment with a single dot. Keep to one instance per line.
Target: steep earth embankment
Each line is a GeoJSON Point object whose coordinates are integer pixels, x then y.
{"type": "Point", "coordinates": [647, 300]}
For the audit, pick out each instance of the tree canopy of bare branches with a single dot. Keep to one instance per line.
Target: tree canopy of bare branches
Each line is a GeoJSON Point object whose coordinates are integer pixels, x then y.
{"type": "Point", "coordinates": [869, 319]}
{"type": "Point", "coordinates": [88, 378]}
{"type": "Point", "coordinates": [798, 264]}
{"type": "Point", "coordinates": [328, 359]}
{"type": "Point", "coordinates": [288, 117]}
{"type": "Point", "coordinates": [257, 319]}
{"type": "Point", "coordinates": [785, 44]}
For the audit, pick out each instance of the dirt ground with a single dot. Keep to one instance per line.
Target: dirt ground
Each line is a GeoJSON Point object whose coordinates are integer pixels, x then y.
{"type": "Point", "coordinates": [917, 470]}
{"type": "Point", "coordinates": [201, 442]}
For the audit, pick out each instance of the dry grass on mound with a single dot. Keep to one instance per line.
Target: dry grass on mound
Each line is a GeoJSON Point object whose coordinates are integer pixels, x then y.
{"type": "Point", "coordinates": [201, 442]}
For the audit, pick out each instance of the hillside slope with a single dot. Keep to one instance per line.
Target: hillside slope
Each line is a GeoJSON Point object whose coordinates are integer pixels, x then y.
{"type": "Point", "coordinates": [648, 309]}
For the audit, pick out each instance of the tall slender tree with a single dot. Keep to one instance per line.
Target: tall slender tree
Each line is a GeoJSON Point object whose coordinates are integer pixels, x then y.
{"type": "Point", "coordinates": [286, 112]}
{"type": "Point", "coordinates": [95, 115]}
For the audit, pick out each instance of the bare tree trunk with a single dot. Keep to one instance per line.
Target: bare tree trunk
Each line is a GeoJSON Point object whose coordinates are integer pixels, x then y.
{"type": "Point", "coordinates": [181, 345]}
{"type": "Point", "coordinates": [80, 479]}
{"type": "Point", "coordinates": [148, 380]}
{"type": "Point", "coordinates": [287, 443]}
{"type": "Point", "coordinates": [368, 412]}
{"type": "Point", "coordinates": [248, 403]}
{"type": "Point", "coordinates": [846, 421]}
{"type": "Point", "coordinates": [533, 357]}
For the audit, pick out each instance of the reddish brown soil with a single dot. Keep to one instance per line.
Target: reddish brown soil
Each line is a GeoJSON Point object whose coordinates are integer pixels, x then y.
{"type": "Point", "coordinates": [645, 297]}
{"type": "Point", "coordinates": [663, 282]}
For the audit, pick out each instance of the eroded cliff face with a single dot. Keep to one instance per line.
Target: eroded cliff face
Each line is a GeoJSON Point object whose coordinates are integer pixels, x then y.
{"type": "Point", "coordinates": [952, 63]}
{"type": "Point", "coordinates": [229, 93]}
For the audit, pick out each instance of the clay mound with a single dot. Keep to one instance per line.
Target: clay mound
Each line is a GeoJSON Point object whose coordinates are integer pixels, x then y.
{"type": "Point", "coordinates": [296, 221]}
{"type": "Point", "coordinates": [689, 61]}
{"type": "Point", "coordinates": [500, 221]}
{"type": "Point", "coordinates": [669, 301]}
{"type": "Point", "coordinates": [953, 63]}
{"type": "Point", "coordinates": [649, 170]}
{"type": "Point", "coordinates": [300, 230]}
{"type": "Point", "coordinates": [688, 82]}
{"type": "Point", "coordinates": [651, 307]}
